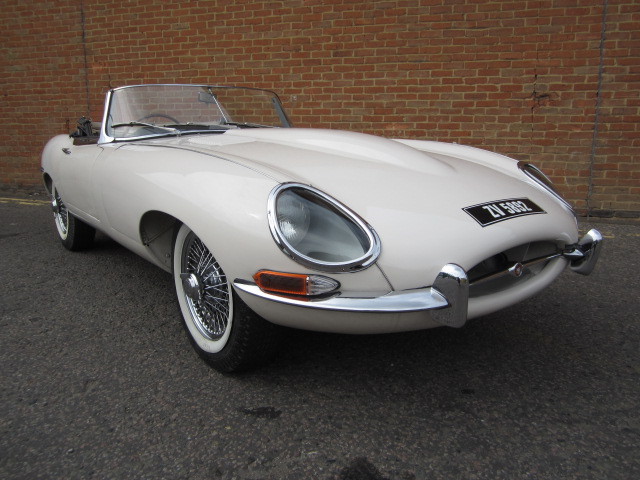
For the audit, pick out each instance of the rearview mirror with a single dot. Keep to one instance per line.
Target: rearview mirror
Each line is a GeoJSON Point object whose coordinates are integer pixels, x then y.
{"type": "Point", "coordinates": [206, 97]}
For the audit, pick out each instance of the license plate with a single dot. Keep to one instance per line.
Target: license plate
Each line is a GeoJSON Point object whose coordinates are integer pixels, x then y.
{"type": "Point", "coordinates": [500, 210]}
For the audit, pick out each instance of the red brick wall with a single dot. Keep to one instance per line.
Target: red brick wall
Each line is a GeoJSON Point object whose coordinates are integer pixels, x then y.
{"type": "Point", "coordinates": [519, 77]}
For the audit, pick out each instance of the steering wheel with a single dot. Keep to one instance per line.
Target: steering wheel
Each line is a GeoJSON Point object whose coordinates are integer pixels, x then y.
{"type": "Point", "coordinates": [159, 115]}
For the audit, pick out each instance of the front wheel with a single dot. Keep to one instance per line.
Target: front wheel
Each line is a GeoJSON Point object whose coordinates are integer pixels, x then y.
{"type": "Point", "coordinates": [73, 233]}
{"type": "Point", "coordinates": [222, 328]}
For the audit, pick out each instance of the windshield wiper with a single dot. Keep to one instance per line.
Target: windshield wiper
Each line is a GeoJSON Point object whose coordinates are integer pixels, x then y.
{"type": "Point", "coordinates": [199, 127]}
{"type": "Point", "coordinates": [143, 124]}
{"type": "Point", "coordinates": [246, 125]}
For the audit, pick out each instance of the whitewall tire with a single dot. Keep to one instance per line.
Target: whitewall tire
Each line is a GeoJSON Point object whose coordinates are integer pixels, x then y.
{"type": "Point", "coordinates": [73, 233]}
{"type": "Point", "coordinates": [222, 329]}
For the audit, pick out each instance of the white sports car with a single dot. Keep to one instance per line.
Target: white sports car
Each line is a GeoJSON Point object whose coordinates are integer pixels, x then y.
{"type": "Point", "coordinates": [263, 225]}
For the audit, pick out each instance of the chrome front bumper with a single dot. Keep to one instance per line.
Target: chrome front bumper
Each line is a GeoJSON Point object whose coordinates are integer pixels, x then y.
{"type": "Point", "coordinates": [447, 299]}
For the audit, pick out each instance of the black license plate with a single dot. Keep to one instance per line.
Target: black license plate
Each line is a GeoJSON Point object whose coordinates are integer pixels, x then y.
{"type": "Point", "coordinates": [500, 210]}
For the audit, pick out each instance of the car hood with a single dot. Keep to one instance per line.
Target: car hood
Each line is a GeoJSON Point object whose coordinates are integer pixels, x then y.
{"type": "Point", "coordinates": [411, 192]}
{"type": "Point", "coordinates": [318, 157]}
{"type": "Point", "coordinates": [340, 162]}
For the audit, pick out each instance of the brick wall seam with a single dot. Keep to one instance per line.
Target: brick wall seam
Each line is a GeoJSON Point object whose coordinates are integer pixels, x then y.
{"type": "Point", "coordinates": [592, 156]}
{"type": "Point", "coordinates": [84, 55]}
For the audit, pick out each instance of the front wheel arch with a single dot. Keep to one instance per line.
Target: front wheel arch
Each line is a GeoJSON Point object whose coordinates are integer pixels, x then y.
{"type": "Point", "coordinates": [158, 231]}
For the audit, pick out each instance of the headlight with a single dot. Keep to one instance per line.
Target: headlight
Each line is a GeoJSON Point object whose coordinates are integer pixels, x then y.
{"type": "Point", "coordinates": [318, 231]}
{"type": "Point", "coordinates": [540, 178]}
{"type": "Point", "coordinates": [293, 215]}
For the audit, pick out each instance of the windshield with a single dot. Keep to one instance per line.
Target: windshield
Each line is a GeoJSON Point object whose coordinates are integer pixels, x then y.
{"type": "Point", "coordinates": [155, 110]}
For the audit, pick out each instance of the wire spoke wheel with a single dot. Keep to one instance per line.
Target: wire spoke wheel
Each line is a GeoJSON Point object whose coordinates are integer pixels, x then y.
{"type": "Point", "coordinates": [204, 293]}
{"type": "Point", "coordinates": [222, 328]}
{"type": "Point", "coordinates": [206, 289]}
{"type": "Point", "coordinates": [60, 214]}
{"type": "Point", "coordinates": [73, 232]}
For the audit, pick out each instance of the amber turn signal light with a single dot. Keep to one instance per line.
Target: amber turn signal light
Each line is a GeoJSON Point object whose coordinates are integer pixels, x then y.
{"type": "Point", "coordinates": [281, 283]}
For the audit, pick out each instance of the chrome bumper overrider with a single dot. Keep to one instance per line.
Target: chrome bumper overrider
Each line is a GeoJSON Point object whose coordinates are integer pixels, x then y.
{"type": "Point", "coordinates": [447, 298]}
{"type": "Point", "coordinates": [584, 255]}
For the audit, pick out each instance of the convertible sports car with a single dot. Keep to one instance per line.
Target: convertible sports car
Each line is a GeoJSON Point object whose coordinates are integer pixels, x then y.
{"type": "Point", "coordinates": [263, 225]}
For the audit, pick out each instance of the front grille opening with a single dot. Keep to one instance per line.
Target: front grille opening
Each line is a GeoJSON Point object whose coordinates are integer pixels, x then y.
{"type": "Point", "coordinates": [490, 266]}
{"type": "Point", "coordinates": [492, 274]}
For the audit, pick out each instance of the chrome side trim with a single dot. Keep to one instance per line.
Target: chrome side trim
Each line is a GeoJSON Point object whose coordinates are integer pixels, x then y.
{"type": "Point", "coordinates": [355, 265]}
{"type": "Point", "coordinates": [586, 253]}
{"type": "Point", "coordinates": [452, 282]}
{"type": "Point", "coordinates": [393, 302]}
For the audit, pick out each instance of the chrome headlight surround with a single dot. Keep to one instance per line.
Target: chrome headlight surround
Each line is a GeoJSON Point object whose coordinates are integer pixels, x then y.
{"type": "Point", "coordinates": [322, 208]}
{"type": "Point", "coordinates": [538, 176]}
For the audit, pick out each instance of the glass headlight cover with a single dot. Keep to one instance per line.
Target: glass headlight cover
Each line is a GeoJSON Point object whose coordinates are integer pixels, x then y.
{"type": "Point", "coordinates": [318, 231]}
{"type": "Point", "coordinates": [540, 178]}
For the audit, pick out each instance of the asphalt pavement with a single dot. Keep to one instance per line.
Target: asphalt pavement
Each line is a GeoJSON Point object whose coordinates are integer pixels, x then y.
{"type": "Point", "coordinates": [99, 380]}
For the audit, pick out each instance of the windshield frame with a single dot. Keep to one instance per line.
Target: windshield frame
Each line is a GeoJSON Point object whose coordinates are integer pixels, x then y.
{"type": "Point", "coordinates": [106, 137]}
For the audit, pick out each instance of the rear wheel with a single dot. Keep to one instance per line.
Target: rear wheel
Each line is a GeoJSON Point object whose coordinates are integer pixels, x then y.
{"type": "Point", "coordinates": [222, 328]}
{"type": "Point", "coordinates": [73, 233]}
